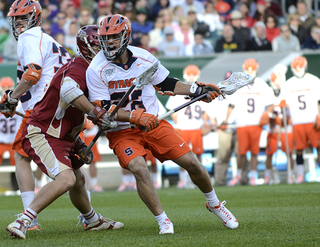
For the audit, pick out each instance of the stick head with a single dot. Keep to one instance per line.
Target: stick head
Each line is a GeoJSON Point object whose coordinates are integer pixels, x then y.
{"type": "Point", "coordinates": [234, 82]}
{"type": "Point", "coordinates": [145, 77]}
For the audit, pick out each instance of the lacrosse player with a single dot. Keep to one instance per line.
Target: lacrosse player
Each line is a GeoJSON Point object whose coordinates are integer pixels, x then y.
{"type": "Point", "coordinates": [109, 77]}
{"type": "Point", "coordinates": [50, 139]}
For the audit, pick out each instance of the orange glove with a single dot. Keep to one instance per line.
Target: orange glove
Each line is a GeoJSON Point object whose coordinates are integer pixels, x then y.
{"type": "Point", "coordinates": [264, 118]}
{"type": "Point", "coordinates": [316, 124]}
{"type": "Point", "coordinates": [210, 90]}
{"type": "Point", "coordinates": [8, 105]}
{"type": "Point", "coordinates": [146, 120]}
{"type": "Point", "coordinates": [223, 126]}
{"type": "Point", "coordinates": [283, 103]}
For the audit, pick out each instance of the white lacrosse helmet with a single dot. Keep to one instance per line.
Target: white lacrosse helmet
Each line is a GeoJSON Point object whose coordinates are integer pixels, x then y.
{"type": "Point", "coordinates": [299, 66]}
{"type": "Point", "coordinates": [191, 73]}
{"type": "Point", "coordinates": [278, 76]}
{"type": "Point", "coordinates": [251, 67]}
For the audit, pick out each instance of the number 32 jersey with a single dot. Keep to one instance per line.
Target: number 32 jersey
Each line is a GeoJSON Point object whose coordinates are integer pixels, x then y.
{"type": "Point", "coordinates": [107, 80]}
{"type": "Point", "coordinates": [35, 46]}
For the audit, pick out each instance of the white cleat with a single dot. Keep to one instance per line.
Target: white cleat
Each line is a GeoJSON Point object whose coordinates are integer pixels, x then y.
{"type": "Point", "coordinates": [226, 217]}
{"type": "Point", "coordinates": [19, 227]}
{"type": "Point", "coordinates": [166, 227]}
{"type": "Point", "coordinates": [102, 224]}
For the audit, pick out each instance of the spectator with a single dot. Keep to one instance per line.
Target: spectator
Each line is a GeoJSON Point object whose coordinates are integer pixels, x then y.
{"type": "Point", "coordinates": [140, 25]}
{"type": "Point", "coordinates": [313, 41]}
{"type": "Point", "coordinates": [85, 17]}
{"type": "Point", "coordinates": [228, 42]}
{"type": "Point", "coordinates": [167, 16]}
{"type": "Point", "coordinates": [273, 8]}
{"type": "Point", "coordinates": [260, 13]}
{"type": "Point", "coordinates": [177, 13]}
{"type": "Point", "coordinates": [245, 11]}
{"type": "Point", "coordinates": [200, 26]}
{"type": "Point", "coordinates": [4, 34]}
{"type": "Point", "coordinates": [105, 7]}
{"type": "Point", "coordinates": [46, 26]}
{"type": "Point", "coordinates": [156, 34]}
{"type": "Point", "coordinates": [201, 46]}
{"type": "Point", "coordinates": [272, 29]}
{"type": "Point", "coordinates": [240, 32]}
{"type": "Point", "coordinates": [58, 26]}
{"type": "Point", "coordinates": [296, 28]}
{"type": "Point", "coordinates": [211, 17]}
{"type": "Point", "coordinates": [306, 18]}
{"type": "Point", "coordinates": [170, 47]}
{"type": "Point", "coordinates": [251, 4]}
{"type": "Point", "coordinates": [222, 7]}
{"type": "Point", "coordinates": [71, 12]}
{"type": "Point", "coordinates": [285, 41]}
{"type": "Point", "coordinates": [188, 3]}
{"type": "Point", "coordinates": [159, 5]}
{"type": "Point", "coordinates": [185, 34]}
{"type": "Point", "coordinates": [129, 12]}
{"type": "Point", "coordinates": [70, 40]}
{"type": "Point", "coordinates": [258, 42]}
{"type": "Point", "coordinates": [144, 43]}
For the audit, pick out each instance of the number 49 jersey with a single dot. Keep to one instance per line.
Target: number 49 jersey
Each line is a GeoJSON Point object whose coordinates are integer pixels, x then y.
{"type": "Point", "coordinates": [9, 127]}
{"type": "Point", "coordinates": [35, 46]}
{"type": "Point", "coordinates": [107, 80]}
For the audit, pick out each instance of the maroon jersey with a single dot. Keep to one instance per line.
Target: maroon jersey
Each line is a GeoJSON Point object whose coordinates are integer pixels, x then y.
{"type": "Point", "coordinates": [52, 114]}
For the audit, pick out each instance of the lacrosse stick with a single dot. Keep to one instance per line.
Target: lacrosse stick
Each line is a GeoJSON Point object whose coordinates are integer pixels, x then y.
{"type": "Point", "coordinates": [18, 113]}
{"type": "Point", "coordinates": [285, 124]}
{"type": "Point", "coordinates": [139, 82]}
{"type": "Point", "coordinates": [236, 81]}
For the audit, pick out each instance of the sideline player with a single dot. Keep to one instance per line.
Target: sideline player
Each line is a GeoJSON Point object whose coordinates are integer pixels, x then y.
{"type": "Point", "coordinates": [109, 76]}
{"type": "Point", "coordinates": [301, 93]}
{"type": "Point", "coordinates": [40, 56]}
{"type": "Point", "coordinates": [188, 122]}
{"type": "Point", "coordinates": [250, 104]}
{"type": "Point", "coordinates": [50, 138]}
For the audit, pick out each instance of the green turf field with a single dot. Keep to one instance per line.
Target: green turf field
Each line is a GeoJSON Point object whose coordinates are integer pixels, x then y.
{"type": "Point", "coordinates": [279, 215]}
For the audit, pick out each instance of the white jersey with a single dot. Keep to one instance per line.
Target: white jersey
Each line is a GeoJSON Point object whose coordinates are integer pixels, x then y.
{"type": "Point", "coordinates": [250, 102]}
{"type": "Point", "coordinates": [107, 80]}
{"type": "Point", "coordinates": [189, 118]}
{"type": "Point", "coordinates": [218, 109]}
{"type": "Point", "coordinates": [35, 46]}
{"type": "Point", "coordinates": [302, 96]}
{"type": "Point", "coordinates": [9, 126]}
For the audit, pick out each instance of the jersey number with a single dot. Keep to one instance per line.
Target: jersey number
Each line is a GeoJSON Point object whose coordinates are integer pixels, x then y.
{"type": "Point", "coordinates": [8, 126]}
{"type": "Point", "coordinates": [197, 109]}
{"type": "Point", "coordinates": [251, 105]}
{"type": "Point", "coordinates": [63, 54]}
{"type": "Point", "coordinates": [303, 103]}
{"type": "Point", "coordinates": [136, 103]}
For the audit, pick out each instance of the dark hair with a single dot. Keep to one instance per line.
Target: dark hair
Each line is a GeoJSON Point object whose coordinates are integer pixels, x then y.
{"type": "Point", "coordinates": [273, 17]}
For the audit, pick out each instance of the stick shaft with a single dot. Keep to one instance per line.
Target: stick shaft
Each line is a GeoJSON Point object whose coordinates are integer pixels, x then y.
{"type": "Point", "coordinates": [284, 110]}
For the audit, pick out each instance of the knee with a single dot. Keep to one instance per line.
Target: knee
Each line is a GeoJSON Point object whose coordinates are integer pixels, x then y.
{"type": "Point", "coordinates": [194, 165]}
{"type": "Point", "coordinates": [139, 169]}
{"type": "Point", "coordinates": [67, 179]}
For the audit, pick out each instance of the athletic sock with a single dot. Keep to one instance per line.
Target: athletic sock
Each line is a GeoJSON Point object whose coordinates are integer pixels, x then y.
{"type": "Point", "coordinates": [239, 173]}
{"type": "Point", "coordinates": [90, 217]}
{"type": "Point", "coordinates": [183, 175]}
{"type": "Point", "coordinates": [94, 181]}
{"type": "Point", "coordinates": [160, 218]}
{"type": "Point", "coordinates": [300, 169]}
{"type": "Point", "coordinates": [39, 183]}
{"type": "Point", "coordinates": [29, 214]}
{"type": "Point", "coordinates": [267, 173]}
{"type": "Point", "coordinates": [126, 178]}
{"type": "Point", "coordinates": [27, 198]}
{"type": "Point", "coordinates": [212, 198]}
{"type": "Point", "coordinates": [154, 176]}
{"type": "Point", "coordinates": [253, 174]}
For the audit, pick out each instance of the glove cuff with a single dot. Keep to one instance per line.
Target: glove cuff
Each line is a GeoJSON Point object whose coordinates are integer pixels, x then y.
{"type": "Point", "coordinates": [194, 89]}
{"type": "Point", "coordinates": [11, 100]}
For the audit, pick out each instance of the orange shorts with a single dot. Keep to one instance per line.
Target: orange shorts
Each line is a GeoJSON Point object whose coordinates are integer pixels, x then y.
{"type": "Point", "coordinates": [17, 146]}
{"type": "Point", "coordinates": [305, 135]}
{"type": "Point", "coordinates": [150, 157]}
{"type": "Point", "coordinates": [96, 154]}
{"type": "Point", "coordinates": [248, 139]}
{"type": "Point", "coordinates": [163, 142]}
{"type": "Point", "coordinates": [7, 147]}
{"type": "Point", "coordinates": [195, 138]}
{"type": "Point", "coordinates": [272, 143]}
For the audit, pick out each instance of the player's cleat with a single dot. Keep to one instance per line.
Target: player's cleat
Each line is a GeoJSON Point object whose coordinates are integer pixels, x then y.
{"type": "Point", "coordinates": [166, 227]}
{"type": "Point", "coordinates": [266, 180]}
{"type": "Point", "coordinates": [82, 221]}
{"type": "Point", "coordinates": [234, 181]}
{"type": "Point", "coordinates": [300, 179]}
{"type": "Point", "coordinates": [226, 217]}
{"type": "Point", "coordinates": [123, 187]}
{"type": "Point", "coordinates": [156, 185]}
{"type": "Point", "coordinates": [34, 225]}
{"type": "Point", "coordinates": [252, 181]}
{"type": "Point", "coordinates": [102, 224]}
{"type": "Point", "coordinates": [19, 227]}
{"type": "Point", "coordinates": [36, 189]}
{"type": "Point", "coordinates": [96, 189]}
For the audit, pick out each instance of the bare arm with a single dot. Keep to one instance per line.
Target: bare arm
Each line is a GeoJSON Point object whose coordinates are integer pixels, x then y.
{"type": "Point", "coordinates": [22, 88]}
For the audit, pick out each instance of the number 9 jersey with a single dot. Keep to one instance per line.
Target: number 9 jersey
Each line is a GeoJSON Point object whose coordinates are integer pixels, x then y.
{"type": "Point", "coordinates": [107, 80]}
{"type": "Point", "coordinates": [37, 47]}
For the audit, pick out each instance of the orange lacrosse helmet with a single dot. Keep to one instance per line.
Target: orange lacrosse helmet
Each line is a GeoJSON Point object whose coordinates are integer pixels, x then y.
{"type": "Point", "coordinates": [6, 82]}
{"type": "Point", "coordinates": [278, 76]}
{"type": "Point", "coordinates": [30, 13]}
{"type": "Point", "coordinates": [251, 66]}
{"type": "Point", "coordinates": [114, 34]}
{"type": "Point", "coordinates": [299, 66]}
{"type": "Point", "coordinates": [191, 73]}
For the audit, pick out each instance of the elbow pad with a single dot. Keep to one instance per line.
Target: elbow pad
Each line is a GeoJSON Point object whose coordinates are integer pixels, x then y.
{"type": "Point", "coordinates": [70, 90]}
{"type": "Point", "coordinates": [32, 74]}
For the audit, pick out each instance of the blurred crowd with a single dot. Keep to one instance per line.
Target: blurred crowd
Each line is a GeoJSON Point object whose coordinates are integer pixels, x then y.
{"type": "Point", "coordinates": [183, 27]}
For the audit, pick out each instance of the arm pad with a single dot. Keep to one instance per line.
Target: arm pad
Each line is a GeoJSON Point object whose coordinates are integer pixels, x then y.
{"type": "Point", "coordinates": [32, 74]}
{"type": "Point", "coordinates": [70, 90]}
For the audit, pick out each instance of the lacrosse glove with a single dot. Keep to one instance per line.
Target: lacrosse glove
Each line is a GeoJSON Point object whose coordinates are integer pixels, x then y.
{"type": "Point", "coordinates": [9, 104]}
{"type": "Point", "coordinates": [146, 120]}
{"type": "Point", "coordinates": [101, 117]}
{"type": "Point", "coordinates": [210, 90]}
{"type": "Point", "coordinates": [80, 148]}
